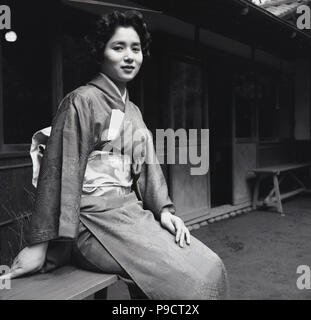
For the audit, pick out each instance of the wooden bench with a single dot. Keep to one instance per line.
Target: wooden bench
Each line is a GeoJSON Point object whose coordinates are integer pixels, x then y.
{"type": "Point", "coordinates": [278, 174]}
{"type": "Point", "coordinates": [66, 283]}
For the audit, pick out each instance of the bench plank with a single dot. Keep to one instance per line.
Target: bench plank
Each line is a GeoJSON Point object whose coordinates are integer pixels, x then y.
{"type": "Point", "coordinates": [281, 168]}
{"type": "Point", "coordinates": [66, 283]}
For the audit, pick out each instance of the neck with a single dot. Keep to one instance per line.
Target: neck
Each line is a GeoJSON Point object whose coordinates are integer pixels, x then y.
{"type": "Point", "coordinates": [120, 85]}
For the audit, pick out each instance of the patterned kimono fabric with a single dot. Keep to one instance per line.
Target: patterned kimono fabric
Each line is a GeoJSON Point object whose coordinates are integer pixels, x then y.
{"type": "Point", "coordinates": [108, 198]}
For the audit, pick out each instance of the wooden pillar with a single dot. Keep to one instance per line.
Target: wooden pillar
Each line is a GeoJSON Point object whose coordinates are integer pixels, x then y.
{"type": "Point", "coordinates": [1, 99]}
{"type": "Point", "coordinates": [205, 124]}
{"type": "Point", "coordinates": [57, 60]}
{"type": "Point", "coordinates": [302, 100]}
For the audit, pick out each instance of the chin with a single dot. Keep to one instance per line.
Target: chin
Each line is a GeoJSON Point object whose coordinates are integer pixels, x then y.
{"type": "Point", "coordinates": [128, 78]}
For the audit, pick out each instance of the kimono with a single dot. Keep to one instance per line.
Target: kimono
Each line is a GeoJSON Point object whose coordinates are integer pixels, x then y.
{"type": "Point", "coordinates": [72, 192]}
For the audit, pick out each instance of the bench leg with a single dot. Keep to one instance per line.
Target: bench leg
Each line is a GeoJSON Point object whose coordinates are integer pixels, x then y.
{"type": "Point", "coordinates": [256, 192]}
{"type": "Point", "coordinates": [300, 183]}
{"type": "Point", "coordinates": [277, 194]}
{"type": "Point", "coordinates": [267, 199]}
{"type": "Point", "coordinates": [270, 196]}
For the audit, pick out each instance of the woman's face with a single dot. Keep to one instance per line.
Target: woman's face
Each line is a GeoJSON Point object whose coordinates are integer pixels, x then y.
{"type": "Point", "coordinates": [122, 55]}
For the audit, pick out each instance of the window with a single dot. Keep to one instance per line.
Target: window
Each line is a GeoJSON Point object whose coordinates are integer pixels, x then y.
{"type": "Point", "coordinates": [186, 94]}
{"type": "Point", "coordinates": [286, 105]}
{"type": "Point", "coordinates": [275, 96]}
{"type": "Point", "coordinates": [244, 104]}
{"type": "Point", "coordinates": [267, 99]}
{"type": "Point", "coordinates": [26, 76]}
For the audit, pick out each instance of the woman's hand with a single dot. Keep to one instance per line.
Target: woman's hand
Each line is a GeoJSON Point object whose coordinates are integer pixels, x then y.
{"type": "Point", "coordinates": [29, 260]}
{"type": "Point", "coordinates": [176, 226]}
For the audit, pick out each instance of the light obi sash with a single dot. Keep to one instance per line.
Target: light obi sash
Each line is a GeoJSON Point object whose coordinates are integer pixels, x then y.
{"type": "Point", "coordinates": [107, 174]}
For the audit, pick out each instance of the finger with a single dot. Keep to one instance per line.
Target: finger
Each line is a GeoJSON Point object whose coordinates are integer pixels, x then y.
{"type": "Point", "coordinates": [182, 238]}
{"type": "Point", "coordinates": [171, 228]}
{"type": "Point", "coordinates": [178, 233]}
{"type": "Point", "coordinates": [15, 264]}
{"type": "Point", "coordinates": [5, 276]}
{"type": "Point", "coordinates": [177, 225]}
{"type": "Point", "coordinates": [188, 236]}
{"type": "Point", "coordinates": [15, 273]}
{"type": "Point", "coordinates": [9, 275]}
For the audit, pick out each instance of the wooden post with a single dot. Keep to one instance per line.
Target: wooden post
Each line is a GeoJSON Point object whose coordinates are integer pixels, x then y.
{"type": "Point", "coordinates": [57, 60]}
{"type": "Point", "coordinates": [1, 99]}
{"type": "Point", "coordinates": [205, 124]}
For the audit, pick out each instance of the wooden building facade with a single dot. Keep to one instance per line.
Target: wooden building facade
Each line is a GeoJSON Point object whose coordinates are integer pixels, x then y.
{"type": "Point", "coordinates": [215, 64]}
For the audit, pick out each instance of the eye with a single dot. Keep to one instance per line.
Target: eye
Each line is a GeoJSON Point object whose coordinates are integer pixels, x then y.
{"type": "Point", "coordinates": [118, 48]}
{"type": "Point", "coordinates": [136, 49]}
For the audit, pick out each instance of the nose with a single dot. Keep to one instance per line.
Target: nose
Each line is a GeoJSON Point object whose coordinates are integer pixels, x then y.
{"type": "Point", "coordinates": [128, 57]}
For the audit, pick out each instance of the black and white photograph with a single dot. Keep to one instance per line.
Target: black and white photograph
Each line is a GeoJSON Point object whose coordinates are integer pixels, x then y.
{"type": "Point", "coordinates": [155, 150]}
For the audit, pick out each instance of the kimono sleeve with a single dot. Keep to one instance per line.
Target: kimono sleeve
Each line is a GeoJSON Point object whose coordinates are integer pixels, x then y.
{"type": "Point", "coordinates": [59, 188]}
{"type": "Point", "coordinates": [151, 183]}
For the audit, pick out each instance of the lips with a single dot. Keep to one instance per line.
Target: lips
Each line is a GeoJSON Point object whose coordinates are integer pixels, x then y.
{"type": "Point", "coordinates": [130, 68]}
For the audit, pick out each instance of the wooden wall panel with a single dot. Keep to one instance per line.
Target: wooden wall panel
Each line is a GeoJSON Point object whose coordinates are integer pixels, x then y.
{"type": "Point", "coordinates": [189, 193]}
{"type": "Point", "coordinates": [273, 154]}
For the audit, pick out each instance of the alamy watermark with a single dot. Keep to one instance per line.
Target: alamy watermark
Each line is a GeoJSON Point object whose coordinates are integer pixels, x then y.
{"type": "Point", "coordinates": [5, 283]}
{"type": "Point", "coordinates": [5, 17]}
{"type": "Point", "coordinates": [304, 20]}
{"type": "Point", "coordinates": [137, 144]}
{"type": "Point", "coordinates": [304, 280]}
{"type": "Point", "coordinates": [6, 23]}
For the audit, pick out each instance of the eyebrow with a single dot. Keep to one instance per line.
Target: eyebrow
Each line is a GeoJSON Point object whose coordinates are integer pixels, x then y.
{"type": "Point", "coordinates": [123, 42]}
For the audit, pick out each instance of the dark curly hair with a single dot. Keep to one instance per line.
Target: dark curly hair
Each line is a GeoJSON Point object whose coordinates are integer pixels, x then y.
{"type": "Point", "coordinates": [105, 26]}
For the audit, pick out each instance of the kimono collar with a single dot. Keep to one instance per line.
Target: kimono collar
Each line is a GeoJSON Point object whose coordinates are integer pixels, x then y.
{"type": "Point", "coordinates": [102, 82]}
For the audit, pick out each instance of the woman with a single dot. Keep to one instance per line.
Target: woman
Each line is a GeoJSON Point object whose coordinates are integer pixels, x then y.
{"type": "Point", "coordinates": [97, 187]}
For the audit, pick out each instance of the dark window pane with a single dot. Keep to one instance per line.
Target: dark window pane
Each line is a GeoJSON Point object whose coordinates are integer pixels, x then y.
{"type": "Point", "coordinates": [286, 107]}
{"type": "Point", "coordinates": [186, 94]}
{"type": "Point", "coordinates": [244, 99]}
{"type": "Point", "coordinates": [267, 107]}
{"type": "Point", "coordinates": [79, 66]}
{"type": "Point", "coordinates": [26, 75]}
